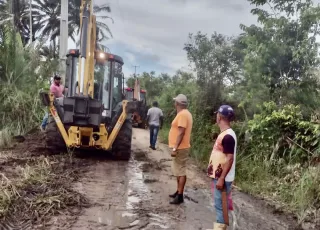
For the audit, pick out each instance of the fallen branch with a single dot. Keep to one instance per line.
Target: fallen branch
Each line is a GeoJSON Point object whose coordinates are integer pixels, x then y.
{"type": "Point", "coordinates": [299, 146]}
{"type": "Point", "coordinates": [191, 199]}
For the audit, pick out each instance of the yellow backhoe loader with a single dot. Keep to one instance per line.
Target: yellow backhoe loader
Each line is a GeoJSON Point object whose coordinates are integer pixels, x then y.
{"type": "Point", "coordinates": [92, 115]}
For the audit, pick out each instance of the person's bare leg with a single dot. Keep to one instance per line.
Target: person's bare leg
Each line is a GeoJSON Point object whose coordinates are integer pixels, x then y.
{"type": "Point", "coordinates": [176, 193]}
{"type": "Point", "coordinates": [178, 199]}
{"type": "Point", "coordinates": [178, 178]}
{"type": "Point", "coordinates": [181, 184]}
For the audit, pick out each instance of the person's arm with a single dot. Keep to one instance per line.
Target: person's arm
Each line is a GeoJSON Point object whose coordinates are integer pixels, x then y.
{"type": "Point", "coordinates": [180, 136]}
{"type": "Point", "coordinates": [161, 119]}
{"type": "Point", "coordinates": [228, 144]}
{"type": "Point", "coordinates": [148, 115]}
{"type": "Point", "coordinates": [182, 125]}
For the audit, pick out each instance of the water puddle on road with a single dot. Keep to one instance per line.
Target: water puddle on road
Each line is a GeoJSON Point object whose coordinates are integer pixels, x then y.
{"type": "Point", "coordinates": [157, 220]}
{"type": "Point", "coordinates": [128, 214]}
{"type": "Point", "coordinates": [123, 201]}
{"type": "Point", "coordinates": [136, 187]}
{"type": "Point", "coordinates": [139, 192]}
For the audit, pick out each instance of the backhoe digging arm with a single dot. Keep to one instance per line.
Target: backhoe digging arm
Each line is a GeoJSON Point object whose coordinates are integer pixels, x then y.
{"type": "Point", "coordinates": [87, 48]}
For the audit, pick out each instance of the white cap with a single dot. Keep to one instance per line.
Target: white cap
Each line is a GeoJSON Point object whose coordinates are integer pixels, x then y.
{"type": "Point", "coordinates": [181, 99]}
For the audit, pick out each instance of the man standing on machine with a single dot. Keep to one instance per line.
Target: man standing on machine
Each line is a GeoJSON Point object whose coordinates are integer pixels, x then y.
{"type": "Point", "coordinates": [56, 89]}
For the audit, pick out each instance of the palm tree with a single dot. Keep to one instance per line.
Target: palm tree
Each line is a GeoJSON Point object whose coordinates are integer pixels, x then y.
{"type": "Point", "coordinates": [20, 16]}
{"type": "Point", "coordinates": [47, 14]}
{"type": "Point", "coordinates": [4, 9]}
{"type": "Point", "coordinates": [103, 30]}
{"type": "Point", "coordinates": [49, 51]}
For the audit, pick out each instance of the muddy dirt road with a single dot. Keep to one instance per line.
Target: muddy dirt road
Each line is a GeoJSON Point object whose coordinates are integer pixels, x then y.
{"type": "Point", "coordinates": [134, 195]}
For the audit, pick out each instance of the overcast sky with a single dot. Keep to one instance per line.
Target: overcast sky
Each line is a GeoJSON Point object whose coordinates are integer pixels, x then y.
{"type": "Point", "coordinates": [152, 33]}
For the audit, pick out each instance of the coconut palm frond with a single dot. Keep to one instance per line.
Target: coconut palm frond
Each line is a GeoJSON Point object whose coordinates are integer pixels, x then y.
{"type": "Point", "coordinates": [101, 8]}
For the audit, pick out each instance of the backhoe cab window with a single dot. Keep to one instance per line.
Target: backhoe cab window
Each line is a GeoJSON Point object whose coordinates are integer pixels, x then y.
{"type": "Point", "coordinates": [117, 83]}
{"type": "Point", "coordinates": [108, 83]}
{"type": "Point", "coordinates": [102, 84]}
{"type": "Point", "coordinates": [129, 95]}
{"type": "Point", "coordinates": [142, 96]}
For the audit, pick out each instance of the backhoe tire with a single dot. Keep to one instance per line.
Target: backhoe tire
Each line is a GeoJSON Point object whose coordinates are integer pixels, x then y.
{"type": "Point", "coordinates": [121, 148]}
{"type": "Point", "coordinates": [143, 125]}
{"type": "Point", "coordinates": [54, 141]}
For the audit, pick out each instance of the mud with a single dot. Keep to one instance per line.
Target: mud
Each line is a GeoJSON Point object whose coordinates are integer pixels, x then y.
{"type": "Point", "coordinates": [134, 195]}
{"type": "Point", "coordinates": [37, 186]}
{"type": "Point", "coordinates": [30, 145]}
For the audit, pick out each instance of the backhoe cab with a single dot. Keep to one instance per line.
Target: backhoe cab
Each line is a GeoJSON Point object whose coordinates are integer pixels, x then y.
{"type": "Point", "coordinates": [139, 116]}
{"type": "Point", "coordinates": [93, 114]}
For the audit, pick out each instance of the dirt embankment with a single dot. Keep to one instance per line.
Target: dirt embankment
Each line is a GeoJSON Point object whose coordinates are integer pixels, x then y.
{"type": "Point", "coordinates": [95, 192]}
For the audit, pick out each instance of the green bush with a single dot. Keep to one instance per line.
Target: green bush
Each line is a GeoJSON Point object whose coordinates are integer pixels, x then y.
{"type": "Point", "coordinates": [283, 134]}
{"type": "Point", "coordinates": [164, 134]}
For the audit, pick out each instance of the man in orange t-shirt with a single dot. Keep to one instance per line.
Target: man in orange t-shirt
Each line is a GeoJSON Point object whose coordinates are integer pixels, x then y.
{"type": "Point", "coordinates": [179, 141]}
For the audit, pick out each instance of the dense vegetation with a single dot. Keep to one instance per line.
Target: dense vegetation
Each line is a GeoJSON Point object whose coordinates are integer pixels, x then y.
{"type": "Point", "coordinates": [269, 74]}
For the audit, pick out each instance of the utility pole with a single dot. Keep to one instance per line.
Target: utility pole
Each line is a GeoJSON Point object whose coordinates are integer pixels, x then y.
{"type": "Point", "coordinates": [136, 89]}
{"type": "Point", "coordinates": [13, 8]}
{"type": "Point", "coordinates": [63, 39]}
{"type": "Point", "coordinates": [30, 12]}
{"type": "Point", "coordinates": [135, 69]}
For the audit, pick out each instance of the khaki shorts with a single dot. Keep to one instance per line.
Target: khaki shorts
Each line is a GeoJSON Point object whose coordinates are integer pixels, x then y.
{"type": "Point", "coordinates": [179, 162]}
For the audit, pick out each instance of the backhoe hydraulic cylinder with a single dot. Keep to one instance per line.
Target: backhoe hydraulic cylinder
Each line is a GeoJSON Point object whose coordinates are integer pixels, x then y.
{"type": "Point", "coordinates": [83, 44]}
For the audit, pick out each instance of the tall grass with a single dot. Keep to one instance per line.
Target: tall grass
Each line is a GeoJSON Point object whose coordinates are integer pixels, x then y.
{"type": "Point", "coordinates": [164, 134]}
{"type": "Point", "coordinates": [5, 137]}
{"type": "Point", "coordinates": [306, 194]}
{"type": "Point", "coordinates": [22, 74]}
{"type": "Point", "coordinates": [20, 110]}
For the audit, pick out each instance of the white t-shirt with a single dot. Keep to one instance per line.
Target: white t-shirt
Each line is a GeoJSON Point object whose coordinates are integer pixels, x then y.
{"type": "Point", "coordinates": [232, 173]}
{"type": "Point", "coordinates": [226, 143]}
{"type": "Point", "coordinates": [154, 114]}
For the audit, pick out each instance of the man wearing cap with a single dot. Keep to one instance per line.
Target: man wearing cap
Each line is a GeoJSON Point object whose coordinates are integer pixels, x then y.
{"type": "Point", "coordinates": [222, 164]}
{"type": "Point", "coordinates": [179, 141]}
{"type": "Point", "coordinates": [155, 120]}
{"type": "Point", "coordinates": [56, 89]}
